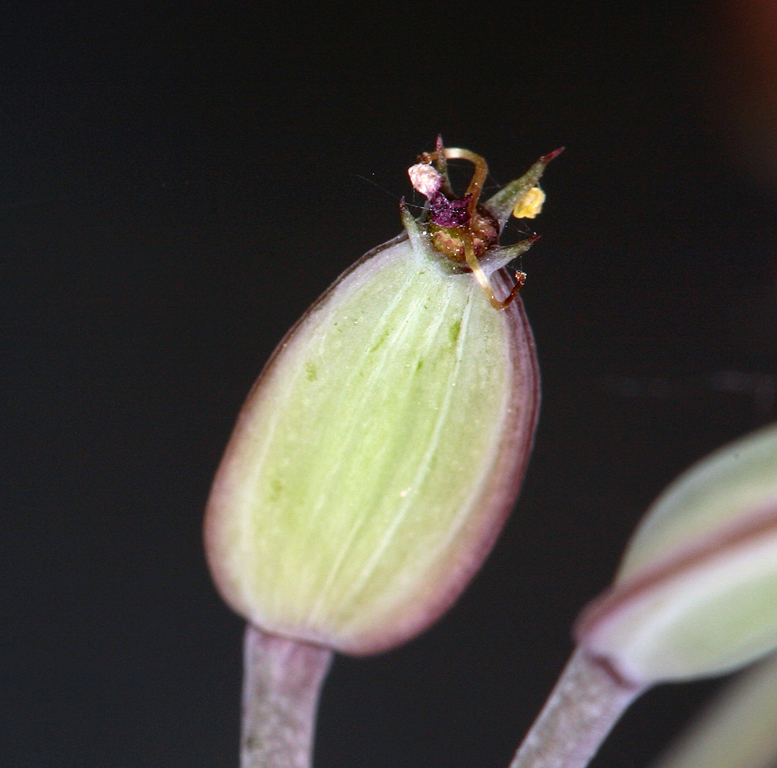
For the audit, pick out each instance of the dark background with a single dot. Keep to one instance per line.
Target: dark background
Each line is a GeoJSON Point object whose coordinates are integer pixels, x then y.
{"type": "Point", "coordinates": [177, 184]}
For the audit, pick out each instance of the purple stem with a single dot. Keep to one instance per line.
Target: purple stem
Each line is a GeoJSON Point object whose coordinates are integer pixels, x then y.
{"type": "Point", "coordinates": [282, 680]}
{"type": "Point", "coordinates": [588, 700]}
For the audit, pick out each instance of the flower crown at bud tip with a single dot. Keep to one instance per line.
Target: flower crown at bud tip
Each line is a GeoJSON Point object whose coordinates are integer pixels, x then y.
{"type": "Point", "coordinates": [465, 231]}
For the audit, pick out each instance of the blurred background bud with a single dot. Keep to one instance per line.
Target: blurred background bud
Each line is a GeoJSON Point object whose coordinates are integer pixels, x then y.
{"type": "Point", "coordinates": [696, 594]}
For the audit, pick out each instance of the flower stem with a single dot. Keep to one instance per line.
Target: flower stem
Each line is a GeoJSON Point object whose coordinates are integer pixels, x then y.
{"type": "Point", "coordinates": [587, 701]}
{"type": "Point", "coordinates": [282, 680]}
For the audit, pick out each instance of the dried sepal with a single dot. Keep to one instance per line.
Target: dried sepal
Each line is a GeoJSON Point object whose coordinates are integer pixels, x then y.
{"type": "Point", "coordinates": [504, 202]}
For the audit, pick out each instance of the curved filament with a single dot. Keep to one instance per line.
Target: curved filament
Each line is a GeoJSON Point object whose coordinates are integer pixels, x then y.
{"type": "Point", "coordinates": [479, 175]}
{"type": "Point", "coordinates": [481, 277]}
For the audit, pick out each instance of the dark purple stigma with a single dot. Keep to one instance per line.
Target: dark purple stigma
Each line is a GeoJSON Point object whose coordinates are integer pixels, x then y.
{"type": "Point", "coordinates": [449, 213]}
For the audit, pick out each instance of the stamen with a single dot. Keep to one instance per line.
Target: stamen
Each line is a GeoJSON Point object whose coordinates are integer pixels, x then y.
{"type": "Point", "coordinates": [479, 175]}
{"type": "Point", "coordinates": [480, 276]}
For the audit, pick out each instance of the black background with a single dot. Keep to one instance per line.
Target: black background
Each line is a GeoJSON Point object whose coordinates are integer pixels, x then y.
{"type": "Point", "coordinates": [178, 183]}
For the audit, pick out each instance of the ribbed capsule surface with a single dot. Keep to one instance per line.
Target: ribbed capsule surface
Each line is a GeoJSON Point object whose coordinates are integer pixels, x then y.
{"type": "Point", "coordinates": [377, 456]}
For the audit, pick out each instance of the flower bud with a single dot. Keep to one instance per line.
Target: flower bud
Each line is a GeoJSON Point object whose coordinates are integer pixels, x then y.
{"type": "Point", "coordinates": [696, 594]}
{"type": "Point", "coordinates": [379, 453]}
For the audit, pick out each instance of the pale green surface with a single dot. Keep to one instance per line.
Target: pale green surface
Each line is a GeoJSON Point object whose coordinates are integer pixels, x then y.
{"type": "Point", "coordinates": [351, 488]}
{"type": "Point", "coordinates": [739, 729]}
{"type": "Point", "coordinates": [709, 618]}
{"type": "Point", "coordinates": [696, 594]}
{"type": "Point", "coordinates": [716, 492]}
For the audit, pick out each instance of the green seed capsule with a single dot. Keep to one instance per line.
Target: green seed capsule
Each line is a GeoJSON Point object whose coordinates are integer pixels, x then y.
{"type": "Point", "coordinates": [379, 453]}
{"type": "Point", "coordinates": [696, 594]}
